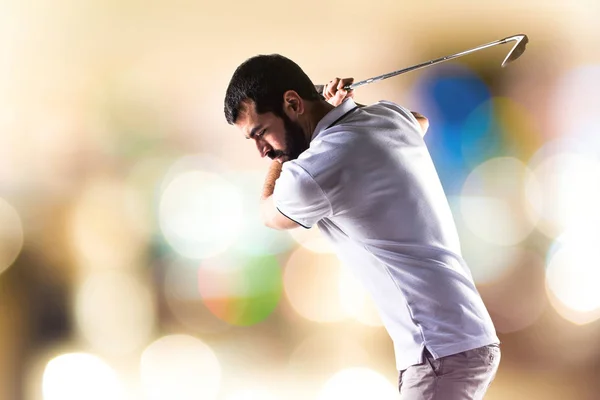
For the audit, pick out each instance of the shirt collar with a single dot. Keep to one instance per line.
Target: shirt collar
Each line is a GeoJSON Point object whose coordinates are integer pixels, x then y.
{"type": "Point", "coordinates": [332, 116]}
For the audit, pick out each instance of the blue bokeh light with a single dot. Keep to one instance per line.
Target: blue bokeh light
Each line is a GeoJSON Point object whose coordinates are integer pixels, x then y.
{"type": "Point", "coordinates": [481, 135]}
{"type": "Point", "coordinates": [449, 96]}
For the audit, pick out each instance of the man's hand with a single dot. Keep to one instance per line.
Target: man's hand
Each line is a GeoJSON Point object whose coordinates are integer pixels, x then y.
{"type": "Point", "coordinates": [423, 122]}
{"type": "Point", "coordinates": [334, 91]}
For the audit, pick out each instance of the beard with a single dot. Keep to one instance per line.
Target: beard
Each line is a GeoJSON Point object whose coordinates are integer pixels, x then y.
{"type": "Point", "coordinates": [295, 141]}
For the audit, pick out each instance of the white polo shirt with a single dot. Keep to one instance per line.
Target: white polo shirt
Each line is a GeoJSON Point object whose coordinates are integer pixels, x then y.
{"type": "Point", "coordinates": [369, 183]}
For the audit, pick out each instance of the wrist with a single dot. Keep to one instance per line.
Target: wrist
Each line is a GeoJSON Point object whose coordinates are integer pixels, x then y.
{"type": "Point", "coordinates": [272, 176]}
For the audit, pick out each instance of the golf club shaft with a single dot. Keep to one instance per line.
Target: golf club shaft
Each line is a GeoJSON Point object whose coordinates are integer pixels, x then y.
{"type": "Point", "coordinates": [320, 88]}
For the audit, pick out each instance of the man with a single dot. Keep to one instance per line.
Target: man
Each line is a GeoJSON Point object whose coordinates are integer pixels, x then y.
{"type": "Point", "coordinates": [364, 176]}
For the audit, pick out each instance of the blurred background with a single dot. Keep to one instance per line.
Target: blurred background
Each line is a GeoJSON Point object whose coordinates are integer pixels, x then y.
{"type": "Point", "coordinates": [132, 261]}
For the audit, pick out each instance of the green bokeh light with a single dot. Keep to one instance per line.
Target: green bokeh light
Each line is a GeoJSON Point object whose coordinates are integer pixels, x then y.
{"type": "Point", "coordinates": [241, 291]}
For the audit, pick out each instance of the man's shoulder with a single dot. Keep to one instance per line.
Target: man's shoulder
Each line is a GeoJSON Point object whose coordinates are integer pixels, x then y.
{"type": "Point", "coordinates": [329, 151]}
{"type": "Point", "coordinates": [388, 108]}
{"type": "Point", "coordinates": [383, 114]}
{"type": "Point", "coordinates": [311, 161]}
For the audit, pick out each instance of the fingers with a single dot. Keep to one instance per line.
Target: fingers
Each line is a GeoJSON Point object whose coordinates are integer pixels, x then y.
{"type": "Point", "coordinates": [339, 97]}
{"type": "Point", "coordinates": [335, 93]}
{"type": "Point", "coordinates": [331, 88]}
{"type": "Point", "coordinates": [336, 85]}
{"type": "Point", "coordinates": [341, 91]}
{"type": "Point", "coordinates": [344, 82]}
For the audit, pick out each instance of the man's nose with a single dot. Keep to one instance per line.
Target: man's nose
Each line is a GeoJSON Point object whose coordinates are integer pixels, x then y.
{"type": "Point", "coordinates": [263, 148]}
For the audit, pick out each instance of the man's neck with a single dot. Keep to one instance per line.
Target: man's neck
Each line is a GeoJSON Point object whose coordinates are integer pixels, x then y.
{"type": "Point", "coordinates": [316, 110]}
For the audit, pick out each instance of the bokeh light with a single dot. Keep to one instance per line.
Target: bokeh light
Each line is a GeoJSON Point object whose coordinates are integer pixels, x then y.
{"type": "Point", "coordinates": [200, 214]}
{"type": "Point", "coordinates": [499, 127]}
{"type": "Point", "coordinates": [573, 276]}
{"type": "Point", "coordinates": [255, 239]}
{"type": "Point", "coordinates": [355, 300]}
{"type": "Point", "coordinates": [240, 291]}
{"type": "Point", "coordinates": [311, 282]}
{"type": "Point", "coordinates": [450, 93]}
{"type": "Point", "coordinates": [112, 111]}
{"type": "Point", "coordinates": [311, 239]}
{"type": "Point", "coordinates": [322, 354]}
{"type": "Point", "coordinates": [493, 202]}
{"type": "Point", "coordinates": [252, 394]}
{"type": "Point", "coordinates": [573, 343]}
{"type": "Point", "coordinates": [11, 235]}
{"type": "Point", "coordinates": [541, 383]}
{"type": "Point", "coordinates": [571, 186]}
{"type": "Point", "coordinates": [184, 301]}
{"type": "Point", "coordinates": [519, 128]}
{"type": "Point", "coordinates": [114, 312]}
{"type": "Point", "coordinates": [480, 135]}
{"type": "Point", "coordinates": [79, 376]}
{"type": "Point", "coordinates": [487, 262]}
{"type": "Point", "coordinates": [180, 367]}
{"type": "Point", "coordinates": [106, 227]}
{"type": "Point", "coordinates": [557, 147]}
{"type": "Point", "coordinates": [575, 105]}
{"type": "Point", "coordinates": [358, 384]}
{"type": "Point", "coordinates": [517, 299]}
{"type": "Point", "coordinates": [144, 178]}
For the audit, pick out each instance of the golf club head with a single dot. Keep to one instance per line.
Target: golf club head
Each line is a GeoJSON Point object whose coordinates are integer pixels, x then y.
{"type": "Point", "coordinates": [517, 50]}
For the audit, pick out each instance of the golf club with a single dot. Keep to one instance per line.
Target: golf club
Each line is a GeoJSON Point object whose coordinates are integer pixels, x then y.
{"type": "Point", "coordinates": [517, 50]}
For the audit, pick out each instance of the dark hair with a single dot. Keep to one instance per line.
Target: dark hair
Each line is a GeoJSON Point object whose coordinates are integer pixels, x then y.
{"type": "Point", "coordinates": [264, 79]}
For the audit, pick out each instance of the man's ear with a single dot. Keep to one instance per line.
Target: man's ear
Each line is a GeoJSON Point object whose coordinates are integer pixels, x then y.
{"type": "Point", "coordinates": [293, 104]}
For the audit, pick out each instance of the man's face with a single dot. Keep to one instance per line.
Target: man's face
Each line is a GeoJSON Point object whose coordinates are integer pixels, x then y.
{"type": "Point", "coordinates": [275, 137]}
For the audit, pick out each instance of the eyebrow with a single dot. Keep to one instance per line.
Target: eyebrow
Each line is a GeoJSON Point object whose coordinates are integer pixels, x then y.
{"type": "Point", "coordinates": [254, 131]}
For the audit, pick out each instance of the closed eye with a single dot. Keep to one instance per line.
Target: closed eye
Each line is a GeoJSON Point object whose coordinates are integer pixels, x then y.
{"type": "Point", "coordinates": [258, 134]}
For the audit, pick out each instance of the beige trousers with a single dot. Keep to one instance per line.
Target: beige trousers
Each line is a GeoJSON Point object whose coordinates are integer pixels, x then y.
{"type": "Point", "coordinates": [462, 376]}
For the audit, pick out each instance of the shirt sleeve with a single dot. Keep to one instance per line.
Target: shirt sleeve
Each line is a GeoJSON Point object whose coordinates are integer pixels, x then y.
{"type": "Point", "coordinates": [299, 197]}
{"type": "Point", "coordinates": [402, 111]}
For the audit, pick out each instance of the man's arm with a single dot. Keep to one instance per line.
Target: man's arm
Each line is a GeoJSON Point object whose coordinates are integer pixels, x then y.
{"type": "Point", "coordinates": [422, 120]}
{"type": "Point", "coordinates": [271, 216]}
